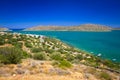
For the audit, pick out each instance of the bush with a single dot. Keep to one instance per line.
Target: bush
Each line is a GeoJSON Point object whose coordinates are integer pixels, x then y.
{"type": "Point", "coordinates": [35, 50]}
{"type": "Point", "coordinates": [10, 55]}
{"type": "Point", "coordinates": [79, 57]}
{"type": "Point", "coordinates": [48, 50]}
{"type": "Point", "coordinates": [19, 39]}
{"type": "Point", "coordinates": [39, 56]}
{"type": "Point", "coordinates": [2, 42]}
{"type": "Point", "coordinates": [26, 55]}
{"type": "Point", "coordinates": [56, 56]}
{"type": "Point", "coordinates": [28, 44]}
{"type": "Point", "coordinates": [12, 41]}
{"type": "Point", "coordinates": [69, 57]}
{"type": "Point", "coordinates": [19, 44]}
{"type": "Point", "coordinates": [65, 64]}
{"type": "Point", "coordinates": [105, 76]}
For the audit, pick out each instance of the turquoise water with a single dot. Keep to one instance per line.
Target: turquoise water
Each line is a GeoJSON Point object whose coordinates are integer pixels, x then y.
{"type": "Point", "coordinates": [105, 43]}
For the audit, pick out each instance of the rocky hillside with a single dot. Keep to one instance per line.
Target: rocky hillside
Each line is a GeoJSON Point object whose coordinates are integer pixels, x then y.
{"type": "Point", "coordinates": [37, 57]}
{"type": "Point", "coordinates": [85, 27]}
{"type": "Point", "coordinates": [3, 29]}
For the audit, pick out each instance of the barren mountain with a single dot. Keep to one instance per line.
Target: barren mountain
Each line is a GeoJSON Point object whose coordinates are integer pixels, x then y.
{"type": "Point", "coordinates": [85, 27]}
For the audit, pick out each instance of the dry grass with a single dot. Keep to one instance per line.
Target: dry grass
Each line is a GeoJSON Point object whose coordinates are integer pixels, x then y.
{"type": "Point", "coordinates": [78, 72]}
{"type": "Point", "coordinates": [75, 76]}
{"type": "Point", "coordinates": [45, 66]}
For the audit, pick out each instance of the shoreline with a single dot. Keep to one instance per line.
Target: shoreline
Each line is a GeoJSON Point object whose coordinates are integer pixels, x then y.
{"type": "Point", "coordinates": [95, 53]}
{"type": "Point", "coordinates": [57, 56]}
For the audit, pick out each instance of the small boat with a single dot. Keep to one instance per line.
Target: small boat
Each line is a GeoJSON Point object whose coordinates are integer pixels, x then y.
{"type": "Point", "coordinates": [99, 55]}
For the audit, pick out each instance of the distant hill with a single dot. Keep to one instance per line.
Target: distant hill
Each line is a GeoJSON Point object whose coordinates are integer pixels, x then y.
{"type": "Point", "coordinates": [118, 28]}
{"type": "Point", "coordinates": [85, 27]}
{"type": "Point", "coordinates": [3, 29]}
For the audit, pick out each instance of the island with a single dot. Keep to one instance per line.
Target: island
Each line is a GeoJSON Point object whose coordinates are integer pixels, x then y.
{"type": "Point", "coordinates": [38, 57]}
{"type": "Point", "coordinates": [84, 27]}
{"type": "Point", "coordinates": [118, 28]}
{"type": "Point", "coordinates": [3, 29]}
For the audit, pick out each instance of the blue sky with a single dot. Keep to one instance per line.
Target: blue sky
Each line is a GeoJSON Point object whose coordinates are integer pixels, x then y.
{"type": "Point", "coordinates": [28, 13]}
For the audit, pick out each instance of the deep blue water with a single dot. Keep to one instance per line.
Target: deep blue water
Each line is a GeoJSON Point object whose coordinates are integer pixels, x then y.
{"type": "Point", "coordinates": [105, 43]}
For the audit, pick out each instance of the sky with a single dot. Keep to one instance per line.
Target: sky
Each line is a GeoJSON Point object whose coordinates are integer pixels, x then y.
{"type": "Point", "coordinates": [28, 13]}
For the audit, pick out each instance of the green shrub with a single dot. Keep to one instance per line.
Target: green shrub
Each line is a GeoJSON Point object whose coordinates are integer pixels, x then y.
{"type": "Point", "coordinates": [26, 55]}
{"type": "Point", "coordinates": [10, 55]}
{"type": "Point", "coordinates": [55, 63]}
{"type": "Point", "coordinates": [9, 41]}
{"type": "Point", "coordinates": [12, 41]}
{"type": "Point", "coordinates": [61, 51]}
{"type": "Point", "coordinates": [35, 50]}
{"type": "Point", "coordinates": [79, 57]}
{"type": "Point", "coordinates": [56, 56]}
{"type": "Point", "coordinates": [65, 64]}
{"type": "Point", "coordinates": [19, 44]}
{"type": "Point", "coordinates": [108, 63]}
{"type": "Point", "coordinates": [28, 44]}
{"type": "Point", "coordinates": [105, 76]}
{"type": "Point", "coordinates": [69, 57]}
{"type": "Point", "coordinates": [19, 39]}
{"type": "Point", "coordinates": [48, 50]}
{"type": "Point", "coordinates": [2, 42]}
{"type": "Point", "coordinates": [39, 56]}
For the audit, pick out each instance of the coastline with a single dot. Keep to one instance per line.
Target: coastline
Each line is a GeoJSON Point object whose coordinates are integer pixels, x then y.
{"type": "Point", "coordinates": [100, 36]}
{"type": "Point", "coordinates": [55, 58]}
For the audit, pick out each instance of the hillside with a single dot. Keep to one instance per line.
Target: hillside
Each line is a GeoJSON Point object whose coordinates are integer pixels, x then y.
{"type": "Point", "coordinates": [3, 29]}
{"type": "Point", "coordinates": [85, 27]}
{"type": "Point", "coordinates": [37, 57]}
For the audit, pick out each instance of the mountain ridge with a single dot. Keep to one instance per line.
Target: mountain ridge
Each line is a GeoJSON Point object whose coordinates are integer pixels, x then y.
{"type": "Point", "coordinates": [84, 27]}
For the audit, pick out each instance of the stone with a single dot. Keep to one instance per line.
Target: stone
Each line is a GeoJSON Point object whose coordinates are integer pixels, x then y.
{"type": "Point", "coordinates": [19, 71]}
{"type": "Point", "coordinates": [14, 75]}
{"type": "Point", "coordinates": [33, 64]}
{"type": "Point", "coordinates": [27, 72]}
{"type": "Point", "coordinates": [4, 73]}
{"type": "Point", "coordinates": [58, 71]}
{"type": "Point", "coordinates": [19, 65]}
{"type": "Point", "coordinates": [41, 63]}
{"type": "Point", "coordinates": [88, 75]}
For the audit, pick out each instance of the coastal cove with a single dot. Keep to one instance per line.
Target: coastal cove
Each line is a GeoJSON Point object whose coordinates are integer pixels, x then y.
{"type": "Point", "coordinates": [105, 43]}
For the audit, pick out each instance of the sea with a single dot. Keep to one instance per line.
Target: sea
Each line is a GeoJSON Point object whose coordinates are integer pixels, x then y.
{"type": "Point", "coordinates": [106, 44]}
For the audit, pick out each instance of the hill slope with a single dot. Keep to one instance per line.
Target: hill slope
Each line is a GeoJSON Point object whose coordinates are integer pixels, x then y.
{"type": "Point", "coordinates": [85, 27]}
{"type": "Point", "coordinates": [45, 58]}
